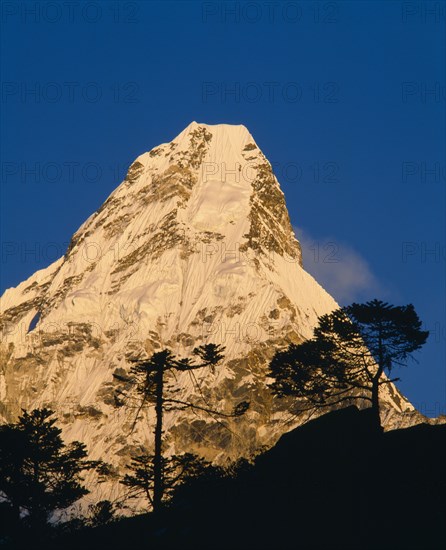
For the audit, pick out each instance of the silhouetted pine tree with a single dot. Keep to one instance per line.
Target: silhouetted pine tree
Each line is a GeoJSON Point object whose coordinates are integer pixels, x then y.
{"type": "Point", "coordinates": [151, 472]}
{"type": "Point", "coordinates": [39, 474]}
{"type": "Point", "coordinates": [346, 359]}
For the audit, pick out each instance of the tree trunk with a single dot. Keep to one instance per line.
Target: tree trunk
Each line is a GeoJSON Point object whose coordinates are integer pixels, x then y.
{"type": "Point", "coordinates": [375, 404]}
{"type": "Point", "coordinates": [375, 382]}
{"type": "Point", "coordinates": [157, 460]}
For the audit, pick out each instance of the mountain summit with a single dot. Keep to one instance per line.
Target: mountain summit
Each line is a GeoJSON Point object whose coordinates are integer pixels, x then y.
{"type": "Point", "coordinates": [194, 246]}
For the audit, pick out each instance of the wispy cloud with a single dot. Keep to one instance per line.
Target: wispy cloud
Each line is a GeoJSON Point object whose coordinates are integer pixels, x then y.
{"type": "Point", "coordinates": [340, 269]}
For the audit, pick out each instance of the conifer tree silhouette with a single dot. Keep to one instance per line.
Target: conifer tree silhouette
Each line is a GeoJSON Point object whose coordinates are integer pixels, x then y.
{"type": "Point", "coordinates": [154, 473]}
{"type": "Point", "coordinates": [39, 474]}
{"type": "Point", "coordinates": [351, 350]}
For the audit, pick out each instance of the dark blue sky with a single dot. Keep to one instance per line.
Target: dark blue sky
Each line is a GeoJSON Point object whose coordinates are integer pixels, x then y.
{"type": "Point", "coordinates": [346, 99]}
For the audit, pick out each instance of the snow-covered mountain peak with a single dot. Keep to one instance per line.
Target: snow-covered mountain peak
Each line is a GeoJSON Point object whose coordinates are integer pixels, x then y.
{"type": "Point", "coordinates": [224, 142]}
{"type": "Point", "coordinates": [194, 246]}
{"type": "Point", "coordinates": [210, 184]}
{"type": "Point", "coordinates": [237, 133]}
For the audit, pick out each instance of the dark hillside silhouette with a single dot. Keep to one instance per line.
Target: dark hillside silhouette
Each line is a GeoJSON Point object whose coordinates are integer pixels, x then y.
{"type": "Point", "coordinates": [334, 483]}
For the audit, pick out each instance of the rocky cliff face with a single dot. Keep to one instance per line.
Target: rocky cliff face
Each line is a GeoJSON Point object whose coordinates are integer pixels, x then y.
{"type": "Point", "coordinates": [194, 246]}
